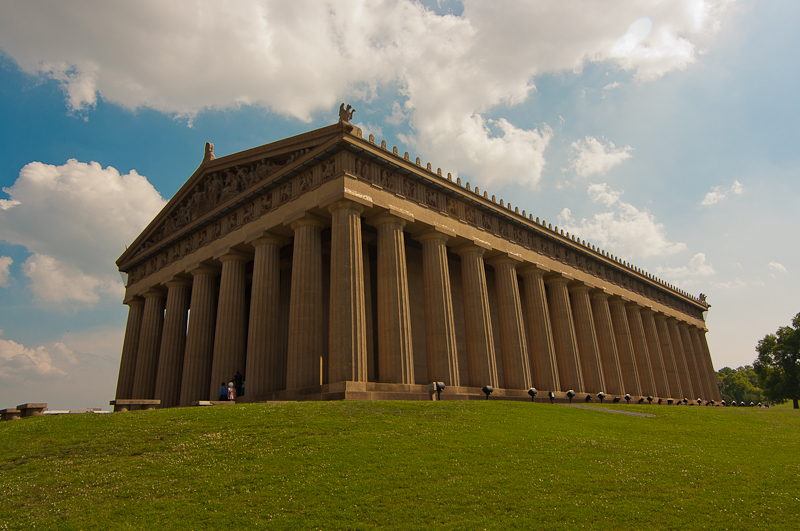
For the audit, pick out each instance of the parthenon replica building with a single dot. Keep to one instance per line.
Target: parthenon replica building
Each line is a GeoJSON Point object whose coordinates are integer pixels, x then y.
{"type": "Point", "coordinates": [326, 266]}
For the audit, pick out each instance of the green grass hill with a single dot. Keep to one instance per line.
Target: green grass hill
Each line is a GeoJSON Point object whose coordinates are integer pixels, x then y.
{"type": "Point", "coordinates": [404, 465]}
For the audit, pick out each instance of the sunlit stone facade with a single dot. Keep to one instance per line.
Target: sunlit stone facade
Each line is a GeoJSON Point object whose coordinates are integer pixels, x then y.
{"type": "Point", "coordinates": [324, 266]}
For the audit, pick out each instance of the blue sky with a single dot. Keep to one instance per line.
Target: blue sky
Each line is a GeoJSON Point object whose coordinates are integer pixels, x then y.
{"type": "Point", "coordinates": [664, 132]}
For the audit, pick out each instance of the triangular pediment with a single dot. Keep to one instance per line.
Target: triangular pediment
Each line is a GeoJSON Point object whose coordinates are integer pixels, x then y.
{"type": "Point", "coordinates": [219, 184]}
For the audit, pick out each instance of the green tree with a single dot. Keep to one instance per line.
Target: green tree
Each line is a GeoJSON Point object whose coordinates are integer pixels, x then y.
{"type": "Point", "coordinates": [778, 364]}
{"type": "Point", "coordinates": [739, 384]}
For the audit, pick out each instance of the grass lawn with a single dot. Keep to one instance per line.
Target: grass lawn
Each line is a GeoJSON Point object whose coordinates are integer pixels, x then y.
{"type": "Point", "coordinates": [404, 465]}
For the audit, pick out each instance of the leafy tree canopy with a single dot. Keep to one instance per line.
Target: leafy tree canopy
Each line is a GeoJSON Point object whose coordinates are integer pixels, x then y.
{"type": "Point", "coordinates": [739, 384]}
{"type": "Point", "coordinates": [778, 363]}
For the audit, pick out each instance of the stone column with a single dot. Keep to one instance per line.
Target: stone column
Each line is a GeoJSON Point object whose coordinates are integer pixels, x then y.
{"type": "Point", "coordinates": [654, 350]}
{"type": "Point", "coordinates": [347, 344]}
{"type": "Point", "coordinates": [304, 364]}
{"type": "Point", "coordinates": [477, 319]}
{"type": "Point", "coordinates": [266, 364]}
{"type": "Point", "coordinates": [230, 336]}
{"type": "Point", "coordinates": [702, 366]}
{"type": "Point", "coordinates": [173, 343]}
{"type": "Point", "coordinates": [130, 346]}
{"type": "Point", "coordinates": [200, 336]}
{"type": "Point", "coordinates": [680, 358]}
{"type": "Point", "coordinates": [513, 344]}
{"type": "Point", "coordinates": [622, 336]}
{"type": "Point", "coordinates": [688, 350]}
{"type": "Point", "coordinates": [710, 364]}
{"type": "Point", "coordinates": [566, 344]}
{"type": "Point", "coordinates": [668, 354]}
{"type": "Point", "coordinates": [144, 383]}
{"type": "Point", "coordinates": [541, 350]}
{"type": "Point", "coordinates": [586, 336]}
{"type": "Point", "coordinates": [609, 356]}
{"type": "Point", "coordinates": [646, 380]}
{"type": "Point", "coordinates": [440, 335]}
{"type": "Point", "coordinates": [283, 319]}
{"type": "Point", "coordinates": [372, 368]}
{"type": "Point", "coordinates": [395, 352]}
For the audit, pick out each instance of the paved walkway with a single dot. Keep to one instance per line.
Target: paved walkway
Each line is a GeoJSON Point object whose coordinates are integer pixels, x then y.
{"type": "Point", "coordinates": [631, 413]}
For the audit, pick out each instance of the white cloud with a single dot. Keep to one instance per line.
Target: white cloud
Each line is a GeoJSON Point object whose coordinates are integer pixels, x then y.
{"type": "Point", "coordinates": [305, 56]}
{"type": "Point", "coordinates": [370, 129]}
{"type": "Point", "coordinates": [27, 364]}
{"type": "Point", "coordinates": [593, 156]}
{"type": "Point", "coordinates": [718, 193]}
{"type": "Point", "coordinates": [775, 266]}
{"type": "Point", "coordinates": [75, 219]}
{"type": "Point", "coordinates": [5, 263]}
{"type": "Point", "coordinates": [612, 86]}
{"type": "Point", "coordinates": [696, 268]}
{"type": "Point", "coordinates": [623, 229]}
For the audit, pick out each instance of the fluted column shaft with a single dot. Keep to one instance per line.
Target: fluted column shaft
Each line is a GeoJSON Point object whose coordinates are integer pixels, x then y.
{"type": "Point", "coordinates": [440, 335]}
{"type": "Point", "coordinates": [609, 357]}
{"type": "Point", "coordinates": [266, 363]}
{"type": "Point", "coordinates": [627, 357]}
{"type": "Point", "coordinates": [304, 364]}
{"type": "Point", "coordinates": [702, 366]}
{"type": "Point", "coordinates": [668, 355]}
{"type": "Point", "coordinates": [691, 364]}
{"type": "Point", "coordinates": [477, 318]}
{"type": "Point", "coordinates": [654, 351]}
{"type": "Point", "coordinates": [173, 343]}
{"type": "Point", "coordinates": [130, 347]}
{"type": "Point", "coordinates": [586, 336]}
{"type": "Point", "coordinates": [713, 374]}
{"type": "Point", "coordinates": [230, 336]}
{"type": "Point", "coordinates": [541, 350]}
{"type": "Point", "coordinates": [144, 382]}
{"type": "Point", "coordinates": [513, 344]}
{"type": "Point", "coordinates": [680, 358]}
{"type": "Point", "coordinates": [348, 327]}
{"type": "Point", "coordinates": [566, 344]}
{"type": "Point", "coordinates": [645, 370]}
{"type": "Point", "coordinates": [395, 352]}
{"type": "Point", "coordinates": [283, 319]}
{"type": "Point", "coordinates": [200, 337]}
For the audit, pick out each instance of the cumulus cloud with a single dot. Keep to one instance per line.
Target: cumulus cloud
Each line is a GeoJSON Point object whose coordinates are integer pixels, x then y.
{"type": "Point", "coordinates": [697, 268]}
{"type": "Point", "coordinates": [20, 363]}
{"type": "Point", "coordinates": [778, 268]}
{"type": "Point", "coordinates": [297, 58]}
{"type": "Point", "coordinates": [718, 193]}
{"type": "Point", "coordinates": [5, 263]}
{"type": "Point", "coordinates": [593, 156]}
{"type": "Point", "coordinates": [623, 228]}
{"type": "Point", "coordinates": [75, 219]}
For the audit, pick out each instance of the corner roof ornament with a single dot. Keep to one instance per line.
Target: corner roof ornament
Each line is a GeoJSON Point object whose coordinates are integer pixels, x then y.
{"type": "Point", "coordinates": [209, 154]}
{"type": "Point", "coordinates": [346, 113]}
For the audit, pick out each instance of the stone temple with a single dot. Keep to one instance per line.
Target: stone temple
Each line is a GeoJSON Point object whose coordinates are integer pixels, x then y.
{"type": "Point", "coordinates": [325, 266]}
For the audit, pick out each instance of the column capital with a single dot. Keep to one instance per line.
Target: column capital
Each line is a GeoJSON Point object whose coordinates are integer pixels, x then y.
{"type": "Point", "coordinates": [345, 204]}
{"type": "Point", "coordinates": [229, 254]}
{"type": "Point", "coordinates": [177, 281]}
{"type": "Point", "coordinates": [475, 246]}
{"type": "Point", "coordinates": [391, 215]}
{"type": "Point", "coordinates": [600, 293]}
{"type": "Point", "coordinates": [661, 316]}
{"type": "Point", "coordinates": [558, 277]}
{"type": "Point", "coordinates": [648, 310]}
{"type": "Point", "coordinates": [346, 195]}
{"type": "Point", "coordinates": [154, 292]}
{"type": "Point", "coordinates": [262, 237]}
{"type": "Point", "coordinates": [531, 269]}
{"type": "Point", "coordinates": [632, 305]}
{"type": "Point", "coordinates": [303, 218]}
{"type": "Point", "coordinates": [134, 301]}
{"type": "Point", "coordinates": [505, 258]}
{"type": "Point", "coordinates": [436, 232]}
{"type": "Point", "coordinates": [580, 285]}
{"type": "Point", "coordinates": [618, 299]}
